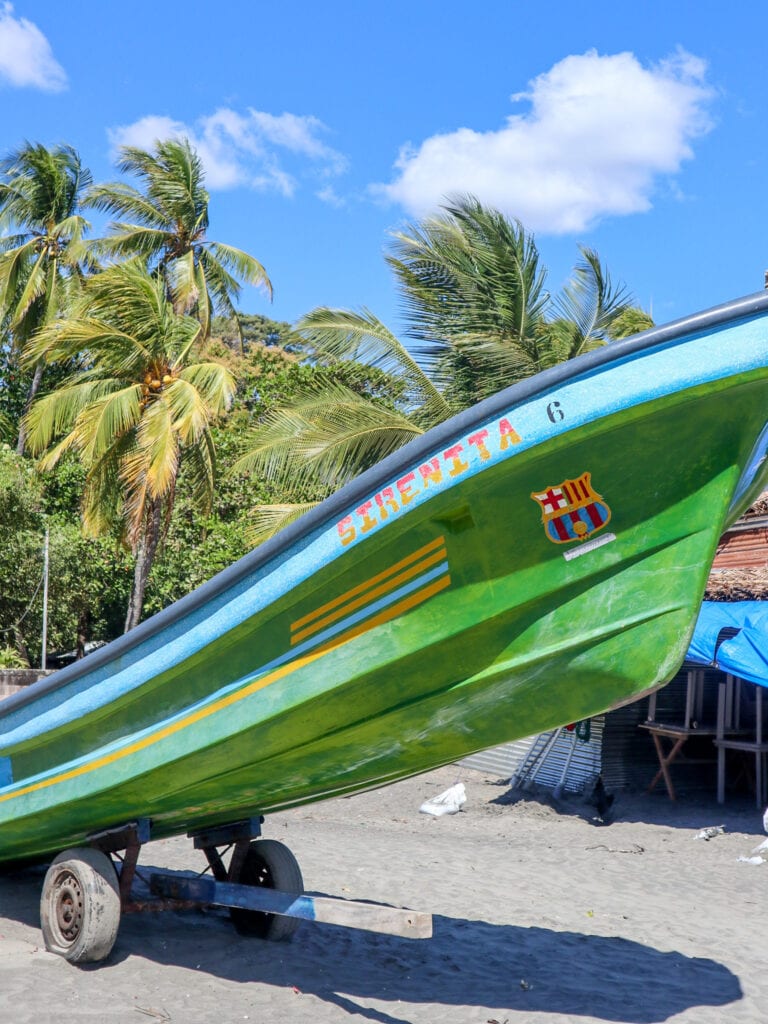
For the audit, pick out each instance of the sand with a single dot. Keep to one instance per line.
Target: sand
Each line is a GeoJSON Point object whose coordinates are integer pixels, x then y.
{"type": "Point", "coordinates": [540, 915]}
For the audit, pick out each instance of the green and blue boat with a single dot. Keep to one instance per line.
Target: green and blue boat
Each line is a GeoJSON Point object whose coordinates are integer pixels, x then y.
{"type": "Point", "coordinates": [536, 560]}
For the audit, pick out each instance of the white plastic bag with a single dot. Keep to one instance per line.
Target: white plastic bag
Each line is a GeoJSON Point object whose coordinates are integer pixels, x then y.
{"type": "Point", "coordinates": [449, 802]}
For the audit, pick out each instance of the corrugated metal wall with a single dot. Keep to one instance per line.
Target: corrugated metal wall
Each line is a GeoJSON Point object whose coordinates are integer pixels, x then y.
{"type": "Point", "coordinates": [533, 761]}
{"type": "Point", "coordinates": [502, 761]}
{"type": "Point", "coordinates": [628, 757]}
{"type": "Point", "coordinates": [743, 549]}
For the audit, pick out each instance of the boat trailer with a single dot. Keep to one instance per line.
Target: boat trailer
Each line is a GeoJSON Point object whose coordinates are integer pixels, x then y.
{"type": "Point", "coordinates": [87, 889]}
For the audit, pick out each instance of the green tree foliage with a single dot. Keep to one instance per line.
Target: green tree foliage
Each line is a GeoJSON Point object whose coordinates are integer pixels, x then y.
{"type": "Point", "coordinates": [131, 432]}
{"type": "Point", "coordinates": [89, 580]}
{"type": "Point", "coordinates": [631, 321]}
{"type": "Point", "coordinates": [42, 255]}
{"type": "Point", "coordinates": [246, 329]}
{"type": "Point", "coordinates": [476, 304]}
{"type": "Point", "coordinates": [165, 222]}
{"type": "Point", "coordinates": [21, 553]}
{"type": "Point", "coordinates": [141, 405]}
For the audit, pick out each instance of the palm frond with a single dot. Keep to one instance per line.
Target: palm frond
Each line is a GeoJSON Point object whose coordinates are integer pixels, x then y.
{"type": "Point", "coordinates": [468, 271]}
{"type": "Point", "coordinates": [126, 202]}
{"type": "Point", "coordinates": [158, 440]}
{"type": "Point", "coordinates": [241, 264]}
{"type": "Point", "coordinates": [15, 266]}
{"type": "Point", "coordinates": [71, 229]}
{"type": "Point", "coordinates": [222, 285]}
{"type": "Point", "coordinates": [104, 419]}
{"type": "Point", "coordinates": [215, 384]}
{"type": "Point", "coordinates": [339, 334]}
{"type": "Point", "coordinates": [65, 339]}
{"type": "Point", "coordinates": [590, 302]}
{"type": "Point", "coordinates": [104, 494]}
{"type": "Point", "coordinates": [325, 439]}
{"type": "Point", "coordinates": [264, 521]}
{"type": "Point", "coordinates": [33, 288]}
{"type": "Point", "coordinates": [128, 240]}
{"type": "Point", "coordinates": [56, 413]}
{"type": "Point", "coordinates": [131, 470]}
{"type": "Point", "coordinates": [199, 468]}
{"type": "Point", "coordinates": [190, 412]}
{"type": "Point", "coordinates": [183, 282]}
{"type": "Point", "coordinates": [204, 304]}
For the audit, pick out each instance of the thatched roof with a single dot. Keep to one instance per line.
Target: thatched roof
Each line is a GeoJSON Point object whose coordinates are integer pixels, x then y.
{"type": "Point", "coordinates": [760, 508]}
{"type": "Point", "coordinates": [745, 583]}
{"type": "Point", "coordinates": [737, 585]}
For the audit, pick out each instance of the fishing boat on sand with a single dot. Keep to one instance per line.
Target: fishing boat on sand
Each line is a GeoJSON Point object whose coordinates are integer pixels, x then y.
{"type": "Point", "coordinates": [533, 561]}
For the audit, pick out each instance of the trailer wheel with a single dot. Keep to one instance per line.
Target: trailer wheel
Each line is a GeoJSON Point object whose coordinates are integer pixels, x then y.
{"type": "Point", "coordinates": [80, 906]}
{"type": "Point", "coordinates": [272, 865]}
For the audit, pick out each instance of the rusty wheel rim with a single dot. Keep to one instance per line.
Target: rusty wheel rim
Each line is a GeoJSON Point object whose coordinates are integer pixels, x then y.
{"type": "Point", "coordinates": [68, 907]}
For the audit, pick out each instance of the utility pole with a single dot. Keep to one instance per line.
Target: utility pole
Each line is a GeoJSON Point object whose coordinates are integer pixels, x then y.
{"type": "Point", "coordinates": [45, 599]}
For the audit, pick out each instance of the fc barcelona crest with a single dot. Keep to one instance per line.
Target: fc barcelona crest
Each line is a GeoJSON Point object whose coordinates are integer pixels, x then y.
{"type": "Point", "coordinates": [572, 510]}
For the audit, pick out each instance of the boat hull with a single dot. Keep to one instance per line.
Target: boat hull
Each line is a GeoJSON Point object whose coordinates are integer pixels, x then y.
{"type": "Point", "coordinates": [539, 566]}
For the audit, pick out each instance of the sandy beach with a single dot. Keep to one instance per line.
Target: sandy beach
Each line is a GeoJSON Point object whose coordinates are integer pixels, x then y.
{"type": "Point", "coordinates": [541, 915]}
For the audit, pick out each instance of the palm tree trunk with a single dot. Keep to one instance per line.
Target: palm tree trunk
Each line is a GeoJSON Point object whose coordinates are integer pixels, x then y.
{"type": "Point", "coordinates": [145, 556]}
{"type": "Point", "coordinates": [34, 387]}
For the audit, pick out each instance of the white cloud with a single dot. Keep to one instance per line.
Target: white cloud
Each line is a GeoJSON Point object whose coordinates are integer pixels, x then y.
{"type": "Point", "coordinates": [327, 194]}
{"type": "Point", "coordinates": [26, 58]}
{"type": "Point", "coordinates": [258, 150]}
{"type": "Point", "coordinates": [600, 133]}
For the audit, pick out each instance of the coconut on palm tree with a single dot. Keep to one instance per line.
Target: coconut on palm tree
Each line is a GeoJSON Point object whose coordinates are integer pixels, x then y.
{"type": "Point", "coordinates": [42, 257]}
{"type": "Point", "coordinates": [137, 412]}
{"type": "Point", "coordinates": [165, 222]}
{"type": "Point", "coordinates": [478, 318]}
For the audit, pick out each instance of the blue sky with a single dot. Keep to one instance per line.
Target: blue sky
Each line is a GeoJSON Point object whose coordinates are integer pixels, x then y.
{"type": "Point", "coordinates": [637, 129]}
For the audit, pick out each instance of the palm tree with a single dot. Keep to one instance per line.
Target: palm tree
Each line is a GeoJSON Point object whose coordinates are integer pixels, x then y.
{"type": "Point", "coordinates": [326, 436]}
{"type": "Point", "coordinates": [137, 412]}
{"type": "Point", "coordinates": [480, 318]}
{"type": "Point", "coordinates": [42, 259]}
{"type": "Point", "coordinates": [474, 299]}
{"type": "Point", "coordinates": [165, 222]}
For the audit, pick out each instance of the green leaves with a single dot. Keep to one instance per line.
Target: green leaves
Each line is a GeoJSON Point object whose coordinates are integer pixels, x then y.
{"type": "Point", "coordinates": [141, 399]}
{"type": "Point", "coordinates": [342, 335]}
{"type": "Point", "coordinates": [40, 195]}
{"type": "Point", "coordinates": [134, 400]}
{"type": "Point", "coordinates": [468, 273]}
{"type": "Point", "coordinates": [164, 222]}
{"type": "Point", "coordinates": [589, 304]}
{"type": "Point", "coordinates": [323, 439]}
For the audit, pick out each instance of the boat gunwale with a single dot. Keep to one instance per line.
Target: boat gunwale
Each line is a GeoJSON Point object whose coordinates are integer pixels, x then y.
{"type": "Point", "coordinates": [318, 518]}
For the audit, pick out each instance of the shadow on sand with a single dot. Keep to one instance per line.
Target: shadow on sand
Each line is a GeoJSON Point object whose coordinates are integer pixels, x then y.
{"type": "Point", "coordinates": [467, 963]}
{"type": "Point", "coordinates": [689, 811]}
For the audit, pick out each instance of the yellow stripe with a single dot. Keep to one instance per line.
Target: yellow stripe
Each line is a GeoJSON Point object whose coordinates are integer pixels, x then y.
{"type": "Point", "coordinates": [371, 595]}
{"type": "Point", "coordinates": [233, 698]}
{"type": "Point", "coordinates": [361, 587]}
{"type": "Point", "coordinates": [391, 613]}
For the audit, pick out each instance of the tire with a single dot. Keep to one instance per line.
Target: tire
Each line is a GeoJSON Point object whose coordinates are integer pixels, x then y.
{"type": "Point", "coordinates": [272, 865]}
{"type": "Point", "coordinates": [80, 906]}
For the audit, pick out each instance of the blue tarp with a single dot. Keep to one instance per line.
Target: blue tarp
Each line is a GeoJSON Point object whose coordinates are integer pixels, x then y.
{"type": "Point", "coordinates": [733, 637]}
